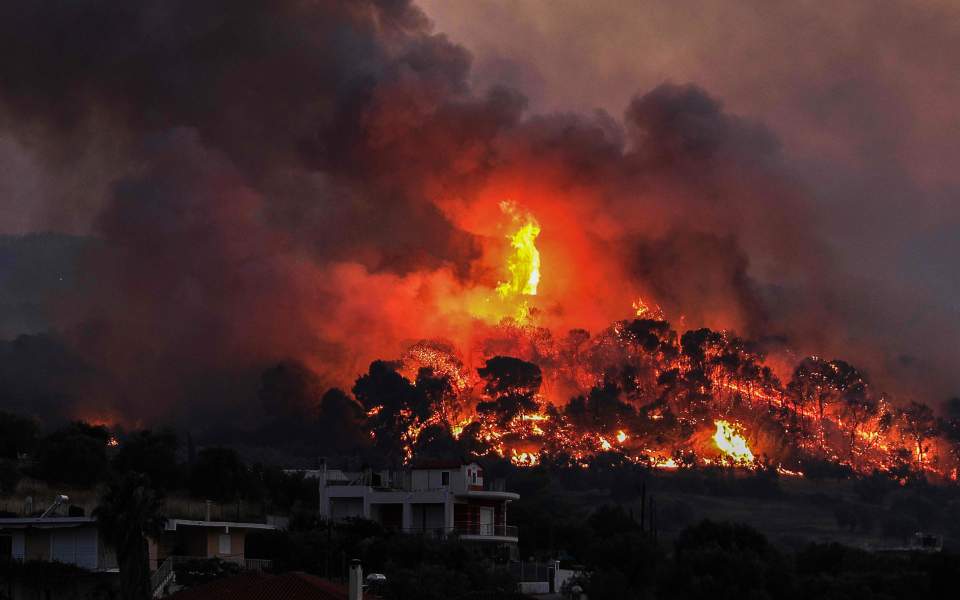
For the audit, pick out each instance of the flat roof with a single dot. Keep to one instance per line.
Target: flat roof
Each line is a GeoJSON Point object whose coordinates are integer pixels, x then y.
{"type": "Point", "coordinates": [173, 523]}
{"type": "Point", "coordinates": [46, 522]}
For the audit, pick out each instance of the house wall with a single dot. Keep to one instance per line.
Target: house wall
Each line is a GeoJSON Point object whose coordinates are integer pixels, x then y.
{"type": "Point", "coordinates": [237, 541]}
{"type": "Point", "coordinates": [462, 478]}
{"type": "Point", "coordinates": [37, 545]}
{"type": "Point", "coordinates": [432, 479]}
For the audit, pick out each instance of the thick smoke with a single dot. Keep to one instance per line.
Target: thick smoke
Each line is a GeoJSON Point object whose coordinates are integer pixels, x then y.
{"type": "Point", "coordinates": [317, 182]}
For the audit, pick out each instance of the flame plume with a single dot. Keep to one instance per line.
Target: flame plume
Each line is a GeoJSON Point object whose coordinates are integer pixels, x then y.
{"type": "Point", "coordinates": [732, 444]}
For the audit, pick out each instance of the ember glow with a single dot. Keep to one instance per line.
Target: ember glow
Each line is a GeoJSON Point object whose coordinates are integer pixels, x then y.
{"type": "Point", "coordinates": [643, 390]}
{"type": "Point", "coordinates": [732, 444]}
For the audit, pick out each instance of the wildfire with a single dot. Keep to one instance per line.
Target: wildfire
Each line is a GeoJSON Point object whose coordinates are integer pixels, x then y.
{"type": "Point", "coordinates": [644, 311]}
{"type": "Point", "coordinates": [664, 463]}
{"type": "Point", "coordinates": [640, 382]}
{"type": "Point", "coordinates": [524, 459]}
{"type": "Point", "coordinates": [732, 444]}
{"type": "Point", "coordinates": [523, 264]}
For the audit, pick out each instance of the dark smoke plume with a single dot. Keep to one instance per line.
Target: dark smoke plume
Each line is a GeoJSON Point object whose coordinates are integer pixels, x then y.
{"type": "Point", "coordinates": [281, 181]}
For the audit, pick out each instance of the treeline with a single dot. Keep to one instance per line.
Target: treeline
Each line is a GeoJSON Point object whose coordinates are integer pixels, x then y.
{"type": "Point", "coordinates": [80, 455]}
{"type": "Point", "coordinates": [661, 387]}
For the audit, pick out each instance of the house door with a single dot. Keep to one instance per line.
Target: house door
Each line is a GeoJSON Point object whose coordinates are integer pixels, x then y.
{"type": "Point", "coordinates": [486, 521]}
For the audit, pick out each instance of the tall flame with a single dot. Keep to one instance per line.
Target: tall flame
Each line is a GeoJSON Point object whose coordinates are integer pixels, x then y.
{"type": "Point", "coordinates": [732, 444]}
{"type": "Point", "coordinates": [524, 264]}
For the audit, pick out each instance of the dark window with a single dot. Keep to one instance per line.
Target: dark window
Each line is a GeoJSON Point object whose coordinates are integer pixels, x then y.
{"type": "Point", "coordinates": [445, 478]}
{"type": "Point", "coordinates": [6, 546]}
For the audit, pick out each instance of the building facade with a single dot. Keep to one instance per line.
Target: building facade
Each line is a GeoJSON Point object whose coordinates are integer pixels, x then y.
{"type": "Point", "coordinates": [76, 542]}
{"type": "Point", "coordinates": [433, 499]}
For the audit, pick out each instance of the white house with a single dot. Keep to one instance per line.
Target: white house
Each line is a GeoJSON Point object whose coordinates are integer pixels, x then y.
{"type": "Point", "coordinates": [438, 498]}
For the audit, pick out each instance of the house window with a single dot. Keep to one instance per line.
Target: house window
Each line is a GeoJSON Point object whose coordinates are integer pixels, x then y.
{"type": "Point", "coordinates": [6, 547]}
{"type": "Point", "coordinates": [224, 543]}
{"type": "Point", "coordinates": [445, 478]}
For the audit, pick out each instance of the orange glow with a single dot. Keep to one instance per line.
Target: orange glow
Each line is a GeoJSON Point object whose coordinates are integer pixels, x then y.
{"type": "Point", "coordinates": [538, 275]}
{"type": "Point", "coordinates": [732, 444]}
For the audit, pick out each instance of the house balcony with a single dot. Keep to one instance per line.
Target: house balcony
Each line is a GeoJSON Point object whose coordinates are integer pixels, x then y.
{"type": "Point", "coordinates": [471, 531]}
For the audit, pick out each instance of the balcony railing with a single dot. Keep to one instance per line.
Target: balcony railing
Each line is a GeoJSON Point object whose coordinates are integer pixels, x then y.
{"type": "Point", "coordinates": [468, 528]}
{"type": "Point", "coordinates": [485, 529]}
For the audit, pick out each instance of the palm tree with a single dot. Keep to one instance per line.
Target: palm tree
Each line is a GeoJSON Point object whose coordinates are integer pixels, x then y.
{"type": "Point", "coordinates": [130, 510]}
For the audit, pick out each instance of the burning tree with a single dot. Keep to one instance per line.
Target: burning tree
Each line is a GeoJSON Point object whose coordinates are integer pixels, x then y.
{"type": "Point", "coordinates": [511, 386]}
{"type": "Point", "coordinates": [919, 425]}
{"type": "Point", "coordinates": [638, 389]}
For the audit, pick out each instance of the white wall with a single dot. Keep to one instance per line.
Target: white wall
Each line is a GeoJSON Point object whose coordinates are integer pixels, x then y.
{"type": "Point", "coordinates": [343, 508]}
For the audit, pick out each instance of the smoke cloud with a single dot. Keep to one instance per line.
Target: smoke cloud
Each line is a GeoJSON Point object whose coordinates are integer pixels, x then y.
{"type": "Point", "coordinates": [252, 183]}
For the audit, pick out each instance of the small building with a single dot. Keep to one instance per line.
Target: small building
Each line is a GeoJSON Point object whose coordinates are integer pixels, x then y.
{"type": "Point", "coordinates": [76, 542]}
{"type": "Point", "coordinates": [434, 498]}
{"type": "Point", "coordinates": [85, 565]}
{"type": "Point", "coordinates": [69, 540]}
{"type": "Point", "coordinates": [193, 539]}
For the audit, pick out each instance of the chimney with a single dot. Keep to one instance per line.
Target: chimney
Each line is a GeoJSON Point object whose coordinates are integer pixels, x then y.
{"type": "Point", "coordinates": [356, 581]}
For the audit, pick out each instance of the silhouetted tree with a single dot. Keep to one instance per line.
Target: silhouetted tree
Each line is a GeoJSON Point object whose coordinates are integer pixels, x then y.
{"type": "Point", "coordinates": [950, 426]}
{"type": "Point", "coordinates": [919, 424]}
{"type": "Point", "coordinates": [511, 384]}
{"type": "Point", "coordinates": [218, 474]}
{"type": "Point", "coordinates": [601, 410]}
{"type": "Point", "coordinates": [152, 453]}
{"type": "Point", "coordinates": [129, 511]}
{"type": "Point", "coordinates": [75, 455]}
{"type": "Point", "coordinates": [18, 435]}
{"type": "Point", "coordinates": [727, 561]}
{"type": "Point", "coordinates": [392, 403]}
{"type": "Point", "coordinates": [341, 422]}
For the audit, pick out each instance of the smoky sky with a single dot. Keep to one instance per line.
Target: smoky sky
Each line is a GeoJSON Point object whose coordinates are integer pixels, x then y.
{"type": "Point", "coordinates": [862, 97]}
{"type": "Point", "coordinates": [193, 192]}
